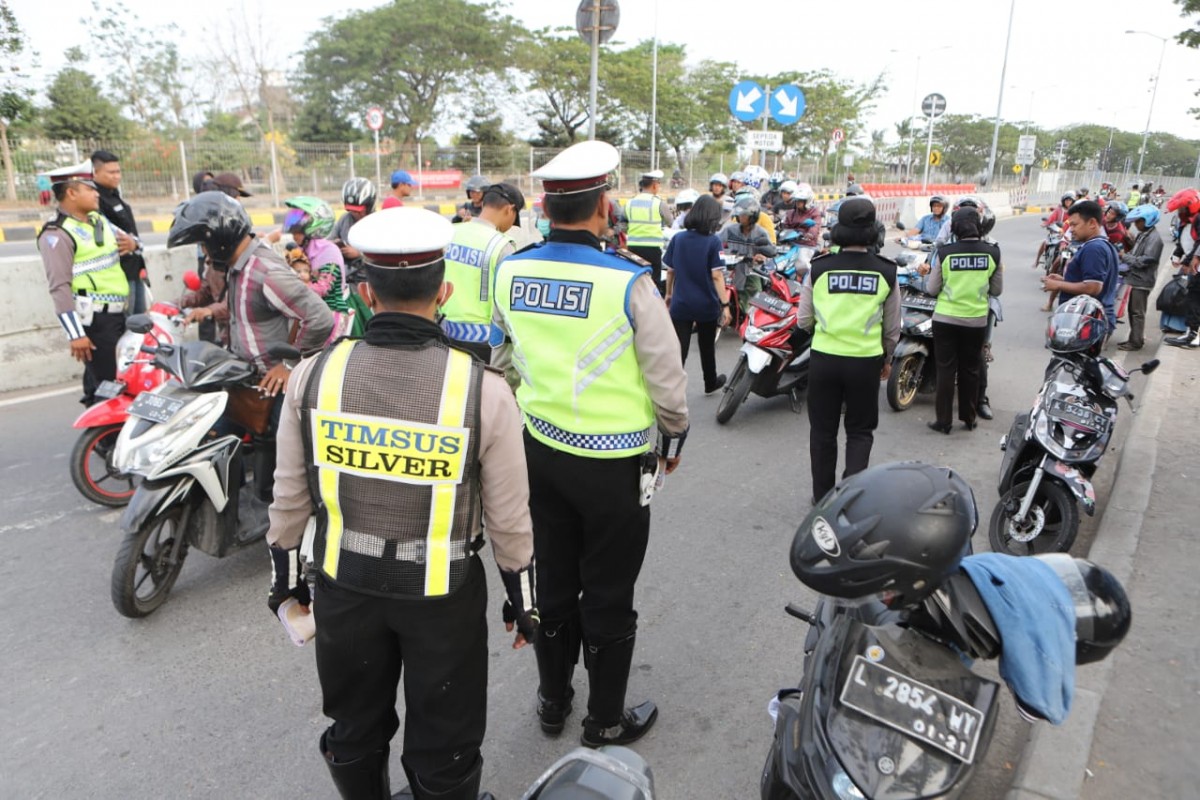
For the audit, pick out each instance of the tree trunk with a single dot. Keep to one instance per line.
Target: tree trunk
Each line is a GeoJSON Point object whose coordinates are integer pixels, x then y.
{"type": "Point", "coordinates": [10, 175]}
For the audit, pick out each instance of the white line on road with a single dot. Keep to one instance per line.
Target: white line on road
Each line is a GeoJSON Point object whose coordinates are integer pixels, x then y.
{"type": "Point", "coordinates": [40, 396]}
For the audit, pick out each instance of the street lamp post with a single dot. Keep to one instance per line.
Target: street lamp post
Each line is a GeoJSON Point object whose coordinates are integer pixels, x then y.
{"type": "Point", "coordinates": [1154, 93]}
{"type": "Point", "coordinates": [991, 170]}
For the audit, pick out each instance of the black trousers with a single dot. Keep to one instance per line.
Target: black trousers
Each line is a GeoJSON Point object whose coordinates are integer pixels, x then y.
{"type": "Point", "coordinates": [706, 338]}
{"type": "Point", "coordinates": [363, 644]}
{"type": "Point", "coordinates": [832, 382]}
{"type": "Point", "coordinates": [654, 256]}
{"type": "Point", "coordinates": [105, 331]}
{"type": "Point", "coordinates": [1193, 302]}
{"type": "Point", "coordinates": [590, 535]}
{"type": "Point", "coordinates": [959, 354]}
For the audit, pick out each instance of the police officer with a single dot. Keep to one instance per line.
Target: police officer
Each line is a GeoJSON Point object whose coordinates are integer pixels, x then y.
{"type": "Point", "coordinates": [81, 254]}
{"type": "Point", "coordinates": [106, 171]}
{"type": "Point", "coordinates": [478, 245]}
{"type": "Point", "coordinates": [648, 214]}
{"type": "Point", "coordinates": [853, 309]}
{"type": "Point", "coordinates": [589, 347]}
{"type": "Point", "coordinates": [400, 482]}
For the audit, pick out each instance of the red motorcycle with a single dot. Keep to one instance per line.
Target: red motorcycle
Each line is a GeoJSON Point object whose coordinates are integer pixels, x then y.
{"type": "Point", "coordinates": [91, 465]}
{"type": "Point", "coordinates": [774, 357]}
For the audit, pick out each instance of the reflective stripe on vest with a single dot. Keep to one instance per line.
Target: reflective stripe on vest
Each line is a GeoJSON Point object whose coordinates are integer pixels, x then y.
{"type": "Point", "coordinates": [966, 277]}
{"type": "Point", "coordinates": [644, 213]}
{"type": "Point", "coordinates": [471, 259]}
{"type": "Point", "coordinates": [848, 307]}
{"type": "Point", "coordinates": [97, 268]}
{"type": "Point", "coordinates": [380, 457]}
{"type": "Point", "coordinates": [582, 390]}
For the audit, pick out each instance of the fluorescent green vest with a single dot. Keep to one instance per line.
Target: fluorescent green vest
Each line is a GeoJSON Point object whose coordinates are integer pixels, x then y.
{"type": "Point", "coordinates": [645, 221]}
{"type": "Point", "coordinates": [966, 275]}
{"type": "Point", "coordinates": [97, 267]}
{"type": "Point", "coordinates": [582, 390]}
{"type": "Point", "coordinates": [848, 306]}
{"type": "Point", "coordinates": [471, 259]}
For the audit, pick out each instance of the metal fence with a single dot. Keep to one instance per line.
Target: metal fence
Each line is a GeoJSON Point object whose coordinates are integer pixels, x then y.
{"type": "Point", "coordinates": [160, 170]}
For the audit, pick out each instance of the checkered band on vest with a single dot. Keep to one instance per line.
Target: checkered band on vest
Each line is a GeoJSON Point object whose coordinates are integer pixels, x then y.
{"type": "Point", "coordinates": [597, 442]}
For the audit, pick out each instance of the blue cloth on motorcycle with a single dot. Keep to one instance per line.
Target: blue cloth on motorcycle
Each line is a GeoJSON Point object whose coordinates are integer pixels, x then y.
{"type": "Point", "coordinates": [1035, 615]}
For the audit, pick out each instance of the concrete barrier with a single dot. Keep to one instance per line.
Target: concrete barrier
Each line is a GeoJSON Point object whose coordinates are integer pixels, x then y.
{"type": "Point", "coordinates": [913, 208]}
{"type": "Point", "coordinates": [33, 346]}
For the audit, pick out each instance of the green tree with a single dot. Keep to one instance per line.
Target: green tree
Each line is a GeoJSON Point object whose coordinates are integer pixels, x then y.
{"type": "Point", "coordinates": [485, 130]}
{"type": "Point", "coordinates": [78, 108]}
{"type": "Point", "coordinates": [316, 123]}
{"type": "Point", "coordinates": [409, 57]}
{"type": "Point", "coordinates": [16, 106]}
{"type": "Point", "coordinates": [1190, 36]}
{"type": "Point", "coordinates": [558, 64]}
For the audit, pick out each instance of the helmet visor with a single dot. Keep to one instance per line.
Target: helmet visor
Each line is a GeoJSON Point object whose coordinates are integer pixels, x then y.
{"type": "Point", "coordinates": [296, 220]}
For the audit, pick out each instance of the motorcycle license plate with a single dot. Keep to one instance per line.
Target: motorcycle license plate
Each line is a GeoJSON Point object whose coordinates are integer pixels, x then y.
{"type": "Point", "coordinates": [1078, 416]}
{"type": "Point", "coordinates": [155, 407]}
{"type": "Point", "coordinates": [916, 709]}
{"type": "Point", "coordinates": [109, 389]}
{"type": "Point", "coordinates": [771, 304]}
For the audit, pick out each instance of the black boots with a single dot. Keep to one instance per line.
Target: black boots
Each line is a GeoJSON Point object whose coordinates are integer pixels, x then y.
{"type": "Point", "coordinates": [466, 789]}
{"type": "Point", "coordinates": [718, 383]}
{"type": "Point", "coordinates": [608, 722]}
{"type": "Point", "coordinates": [557, 650]}
{"type": "Point", "coordinates": [985, 408]}
{"type": "Point", "coordinates": [363, 778]}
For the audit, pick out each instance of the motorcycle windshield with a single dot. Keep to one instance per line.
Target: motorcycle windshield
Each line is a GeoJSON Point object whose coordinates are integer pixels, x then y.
{"type": "Point", "coordinates": [199, 364]}
{"type": "Point", "coordinates": [901, 713]}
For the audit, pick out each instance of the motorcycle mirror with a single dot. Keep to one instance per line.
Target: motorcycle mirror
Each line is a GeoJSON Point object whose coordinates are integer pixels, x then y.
{"type": "Point", "coordinates": [1150, 366]}
{"type": "Point", "coordinates": [139, 323]}
{"type": "Point", "coordinates": [899, 224]}
{"type": "Point", "coordinates": [284, 352]}
{"type": "Point", "coordinates": [191, 279]}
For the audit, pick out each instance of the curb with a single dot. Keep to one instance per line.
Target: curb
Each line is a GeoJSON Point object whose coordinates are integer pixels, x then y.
{"type": "Point", "coordinates": [1054, 763]}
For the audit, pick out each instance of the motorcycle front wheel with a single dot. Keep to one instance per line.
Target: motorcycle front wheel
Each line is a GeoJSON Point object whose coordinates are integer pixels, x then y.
{"type": "Point", "coordinates": [735, 391]}
{"type": "Point", "coordinates": [92, 470]}
{"type": "Point", "coordinates": [144, 572]}
{"type": "Point", "coordinates": [904, 382]}
{"type": "Point", "coordinates": [1050, 527]}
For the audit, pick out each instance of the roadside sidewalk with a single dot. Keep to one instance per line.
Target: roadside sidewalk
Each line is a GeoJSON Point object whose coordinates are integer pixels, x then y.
{"type": "Point", "coordinates": [1132, 730]}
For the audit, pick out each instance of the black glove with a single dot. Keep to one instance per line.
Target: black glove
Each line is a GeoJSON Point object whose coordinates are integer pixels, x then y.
{"type": "Point", "coordinates": [520, 608]}
{"type": "Point", "coordinates": [287, 578]}
{"type": "Point", "coordinates": [526, 623]}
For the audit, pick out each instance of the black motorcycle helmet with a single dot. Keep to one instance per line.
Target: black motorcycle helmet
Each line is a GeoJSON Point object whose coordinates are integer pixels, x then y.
{"type": "Point", "coordinates": [937, 198]}
{"type": "Point", "coordinates": [1102, 611]}
{"type": "Point", "coordinates": [891, 533]}
{"type": "Point", "coordinates": [213, 219]}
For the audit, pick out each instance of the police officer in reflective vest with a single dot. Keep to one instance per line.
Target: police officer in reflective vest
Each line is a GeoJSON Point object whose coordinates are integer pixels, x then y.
{"type": "Point", "coordinates": [853, 308]}
{"type": "Point", "coordinates": [82, 257]}
{"type": "Point", "coordinates": [588, 347]}
{"type": "Point", "coordinates": [478, 245]}
{"type": "Point", "coordinates": [648, 215]}
{"type": "Point", "coordinates": [404, 446]}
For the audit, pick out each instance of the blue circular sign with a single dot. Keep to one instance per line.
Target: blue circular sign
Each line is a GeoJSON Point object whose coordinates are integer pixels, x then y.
{"type": "Point", "coordinates": [787, 104]}
{"type": "Point", "coordinates": [747, 101]}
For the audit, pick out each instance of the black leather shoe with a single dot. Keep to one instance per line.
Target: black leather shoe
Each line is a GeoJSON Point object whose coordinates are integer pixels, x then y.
{"type": "Point", "coordinates": [716, 385]}
{"type": "Point", "coordinates": [970, 426]}
{"type": "Point", "coordinates": [985, 409]}
{"type": "Point", "coordinates": [633, 725]}
{"type": "Point", "coordinates": [934, 425]}
{"type": "Point", "coordinates": [1129, 346]}
{"type": "Point", "coordinates": [553, 714]}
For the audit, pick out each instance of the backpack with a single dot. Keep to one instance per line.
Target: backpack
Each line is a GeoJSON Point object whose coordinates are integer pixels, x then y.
{"type": "Point", "coordinates": [1173, 297]}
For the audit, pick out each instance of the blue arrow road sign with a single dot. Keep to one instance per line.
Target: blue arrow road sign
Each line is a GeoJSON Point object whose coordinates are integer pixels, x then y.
{"type": "Point", "coordinates": [787, 104]}
{"type": "Point", "coordinates": [747, 101]}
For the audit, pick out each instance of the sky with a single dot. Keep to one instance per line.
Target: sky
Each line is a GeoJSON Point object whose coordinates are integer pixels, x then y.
{"type": "Point", "coordinates": [1063, 68]}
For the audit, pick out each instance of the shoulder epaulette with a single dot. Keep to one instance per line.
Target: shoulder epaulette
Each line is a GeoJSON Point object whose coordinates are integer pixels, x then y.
{"type": "Point", "coordinates": [629, 255]}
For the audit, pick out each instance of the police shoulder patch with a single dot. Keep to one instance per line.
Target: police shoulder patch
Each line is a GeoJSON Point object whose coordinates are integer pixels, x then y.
{"type": "Point", "coordinates": [629, 255]}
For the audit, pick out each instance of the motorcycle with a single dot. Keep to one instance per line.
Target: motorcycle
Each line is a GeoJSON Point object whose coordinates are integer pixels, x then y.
{"type": "Point", "coordinates": [1054, 237]}
{"type": "Point", "coordinates": [1051, 453]}
{"type": "Point", "coordinates": [611, 772]}
{"type": "Point", "coordinates": [887, 705]}
{"type": "Point", "coordinates": [91, 460]}
{"type": "Point", "coordinates": [200, 485]}
{"type": "Point", "coordinates": [914, 369]}
{"type": "Point", "coordinates": [774, 356]}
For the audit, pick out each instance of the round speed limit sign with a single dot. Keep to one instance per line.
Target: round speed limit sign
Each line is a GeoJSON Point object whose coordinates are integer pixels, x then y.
{"type": "Point", "coordinates": [374, 118]}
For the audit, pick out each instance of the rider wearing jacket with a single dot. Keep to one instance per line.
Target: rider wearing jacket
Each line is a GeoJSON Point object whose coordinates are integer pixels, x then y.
{"type": "Point", "coordinates": [1142, 263]}
{"type": "Point", "coordinates": [804, 217]}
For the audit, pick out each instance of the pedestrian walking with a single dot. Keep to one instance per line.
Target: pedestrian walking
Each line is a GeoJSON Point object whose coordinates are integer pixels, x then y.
{"type": "Point", "coordinates": [968, 272]}
{"type": "Point", "coordinates": [81, 254]}
{"type": "Point", "coordinates": [696, 292]}
{"type": "Point", "coordinates": [853, 309]}
{"type": "Point", "coordinates": [402, 483]}
{"type": "Point", "coordinates": [1142, 263]}
{"type": "Point", "coordinates": [585, 338]}
{"type": "Point", "coordinates": [106, 169]}
{"type": "Point", "coordinates": [648, 214]}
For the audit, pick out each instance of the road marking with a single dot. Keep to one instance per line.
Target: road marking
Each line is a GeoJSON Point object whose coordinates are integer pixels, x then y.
{"type": "Point", "coordinates": [40, 396]}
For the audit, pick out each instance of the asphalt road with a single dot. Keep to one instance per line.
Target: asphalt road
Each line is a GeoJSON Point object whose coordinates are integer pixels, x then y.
{"type": "Point", "coordinates": [207, 699]}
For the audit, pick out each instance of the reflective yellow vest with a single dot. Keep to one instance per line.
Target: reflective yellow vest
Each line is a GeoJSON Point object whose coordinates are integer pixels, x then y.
{"type": "Point", "coordinates": [848, 308]}
{"type": "Point", "coordinates": [644, 213]}
{"type": "Point", "coordinates": [967, 269]}
{"type": "Point", "coordinates": [97, 267]}
{"type": "Point", "coordinates": [471, 259]}
{"type": "Point", "coordinates": [395, 475]}
{"type": "Point", "coordinates": [582, 390]}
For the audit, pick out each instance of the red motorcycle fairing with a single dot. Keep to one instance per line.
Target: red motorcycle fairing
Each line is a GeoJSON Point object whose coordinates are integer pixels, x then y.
{"type": "Point", "coordinates": [113, 411]}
